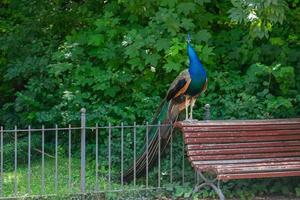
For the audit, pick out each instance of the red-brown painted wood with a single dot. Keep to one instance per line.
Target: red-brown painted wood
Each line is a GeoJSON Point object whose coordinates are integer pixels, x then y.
{"type": "Point", "coordinates": [226, 177]}
{"type": "Point", "coordinates": [245, 161]}
{"type": "Point", "coordinates": [236, 122]}
{"type": "Point", "coordinates": [243, 150]}
{"type": "Point", "coordinates": [245, 156]}
{"type": "Point", "coordinates": [237, 170]}
{"type": "Point", "coordinates": [242, 145]}
{"type": "Point", "coordinates": [250, 133]}
{"type": "Point", "coordinates": [240, 139]}
{"type": "Point", "coordinates": [250, 169]}
{"type": "Point", "coordinates": [230, 166]}
{"type": "Point", "coordinates": [241, 128]}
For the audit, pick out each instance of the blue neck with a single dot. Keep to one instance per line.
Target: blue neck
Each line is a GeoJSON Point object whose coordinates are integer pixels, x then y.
{"type": "Point", "coordinates": [196, 70]}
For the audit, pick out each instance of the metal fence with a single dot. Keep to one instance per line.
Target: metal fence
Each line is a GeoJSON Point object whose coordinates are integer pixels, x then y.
{"type": "Point", "coordinates": [99, 170]}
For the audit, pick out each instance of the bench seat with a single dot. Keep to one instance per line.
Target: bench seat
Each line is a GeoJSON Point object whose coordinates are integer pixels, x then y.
{"type": "Point", "coordinates": [243, 149]}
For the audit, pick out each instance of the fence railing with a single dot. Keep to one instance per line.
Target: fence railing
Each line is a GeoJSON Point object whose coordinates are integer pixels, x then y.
{"type": "Point", "coordinates": [42, 161]}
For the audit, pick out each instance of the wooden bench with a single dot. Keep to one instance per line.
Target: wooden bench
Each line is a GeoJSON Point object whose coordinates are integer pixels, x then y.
{"type": "Point", "coordinates": [242, 149]}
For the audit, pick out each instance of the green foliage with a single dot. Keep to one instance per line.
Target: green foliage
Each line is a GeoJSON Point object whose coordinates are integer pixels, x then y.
{"type": "Point", "coordinates": [108, 60]}
{"type": "Point", "coordinates": [260, 15]}
{"type": "Point", "coordinates": [297, 191]}
{"type": "Point", "coordinates": [117, 58]}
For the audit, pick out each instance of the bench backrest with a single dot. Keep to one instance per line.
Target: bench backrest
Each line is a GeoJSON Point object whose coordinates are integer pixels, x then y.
{"type": "Point", "coordinates": [249, 144]}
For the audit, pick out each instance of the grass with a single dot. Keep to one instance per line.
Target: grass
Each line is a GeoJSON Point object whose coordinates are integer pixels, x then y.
{"type": "Point", "coordinates": [62, 187]}
{"type": "Point", "coordinates": [130, 192]}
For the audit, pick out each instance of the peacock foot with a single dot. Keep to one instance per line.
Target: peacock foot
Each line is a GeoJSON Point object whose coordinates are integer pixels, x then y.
{"type": "Point", "coordinates": [189, 120]}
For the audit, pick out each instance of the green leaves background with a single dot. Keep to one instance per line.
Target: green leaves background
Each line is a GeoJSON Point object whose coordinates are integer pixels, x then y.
{"type": "Point", "coordinates": [114, 57]}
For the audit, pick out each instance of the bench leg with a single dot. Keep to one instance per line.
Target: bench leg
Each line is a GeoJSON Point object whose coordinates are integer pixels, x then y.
{"type": "Point", "coordinates": [210, 183]}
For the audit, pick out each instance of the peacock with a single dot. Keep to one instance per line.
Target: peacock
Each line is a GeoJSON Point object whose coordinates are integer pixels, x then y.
{"type": "Point", "coordinates": [182, 94]}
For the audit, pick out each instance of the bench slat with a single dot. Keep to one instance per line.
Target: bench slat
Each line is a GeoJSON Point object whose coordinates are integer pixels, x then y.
{"type": "Point", "coordinates": [242, 145]}
{"type": "Point", "coordinates": [240, 128]}
{"type": "Point", "coordinates": [245, 161]}
{"type": "Point", "coordinates": [238, 122]}
{"type": "Point", "coordinates": [236, 170]}
{"type": "Point", "coordinates": [240, 133]}
{"type": "Point", "coordinates": [240, 139]}
{"type": "Point", "coordinates": [258, 175]}
{"type": "Point", "coordinates": [217, 166]}
{"type": "Point", "coordinates": [244, 156]}
{"type": "Point", "coordinates": [243, 150]}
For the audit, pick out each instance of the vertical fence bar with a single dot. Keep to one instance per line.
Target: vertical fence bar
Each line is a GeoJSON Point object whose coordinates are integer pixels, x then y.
{"type": "Point", "coordinates": [56, 159]}
{"type": "Point", "coordinates": [97, 164]}
{"type": "Point", "coordinates": [122, 153]}
{"type": "Point", "coordinates": [171, 157]}
{"type": "Point", "coordinates": [109, 156]}
{"type": "Point", "coordinates": [82, 153]}
{"type": "Point", "coordinates": [1, 159]}
{"type": "Point", "coordinates": [134, 154]}
{"type": "Point", "coordinates": [28, 161]}
{"type": "Point", "coordinates": [16, 162]}
{"type": "Point", "coordinates": [43, 159]}
{"type": "Point", "coordinates": [70, 158]}
{"type": "Point", "coordinates": [159, 127]}
{"type": "Point", "coordinates": [147, 153]}
{"type": "Point", "coordinates": [183, 162]}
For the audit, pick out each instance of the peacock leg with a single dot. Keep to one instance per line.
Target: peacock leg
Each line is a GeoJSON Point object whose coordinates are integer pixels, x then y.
{"type": "Point", "coordinates": [193, 100]}
{"type": "Point", "coordinates": [186, 108]}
